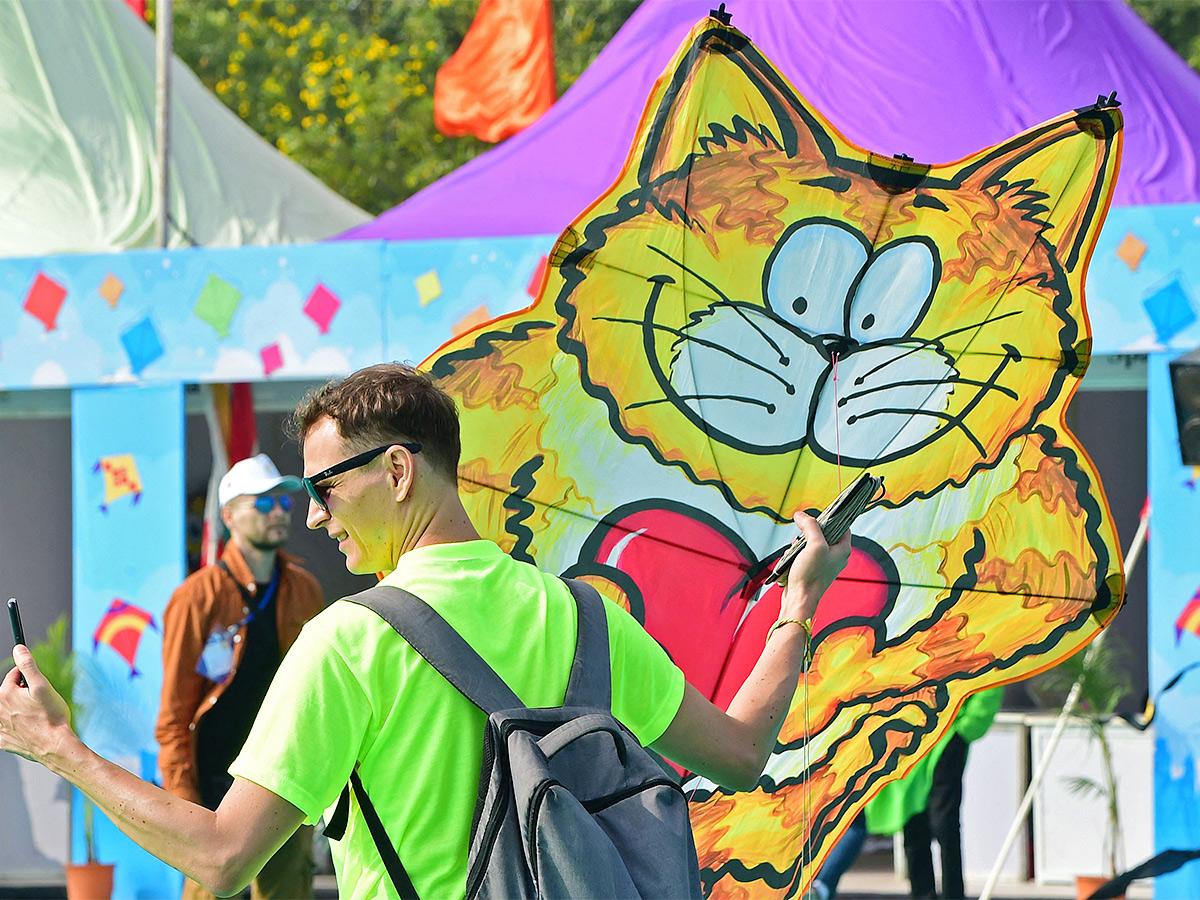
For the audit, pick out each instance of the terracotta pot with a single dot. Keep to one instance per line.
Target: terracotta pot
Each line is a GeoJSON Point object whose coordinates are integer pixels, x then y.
{"type": "Point", "coordinates": [1086, 885]}
{"type": "Point", "coordinates": [89, 881]}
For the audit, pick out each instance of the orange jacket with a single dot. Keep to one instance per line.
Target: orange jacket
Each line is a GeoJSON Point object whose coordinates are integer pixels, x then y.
{"type": "Point", "coordinates": [210, 599]}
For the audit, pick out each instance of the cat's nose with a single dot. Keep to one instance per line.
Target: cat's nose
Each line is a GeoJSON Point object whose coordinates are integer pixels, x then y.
{"type": "Point", "coordinates": [838, 344]}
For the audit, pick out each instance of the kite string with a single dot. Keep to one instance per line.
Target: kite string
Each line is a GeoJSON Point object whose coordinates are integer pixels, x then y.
{"type": "Point", "coordinates": [806, 853]}
{"type": "Point", "coordinates": [837, 431]}
{"type": "Point", "coordinates": [808, 772]}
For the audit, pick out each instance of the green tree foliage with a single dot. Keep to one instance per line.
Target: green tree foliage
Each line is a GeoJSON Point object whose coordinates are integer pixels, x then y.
{"type": "Point", "coordinates": [346, 88]}
{"type": "Point", "coordinates": [1177, 22]}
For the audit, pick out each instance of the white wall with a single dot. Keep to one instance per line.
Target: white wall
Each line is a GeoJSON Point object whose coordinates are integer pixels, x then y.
{"type": "Point", "coordinates": [993, 785]}
{"type": "Point", "coordinates": [1068, 828]}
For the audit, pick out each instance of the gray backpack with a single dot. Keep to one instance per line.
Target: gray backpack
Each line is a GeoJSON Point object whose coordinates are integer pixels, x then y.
{"type": "Point", "coordinates": [569, 804]}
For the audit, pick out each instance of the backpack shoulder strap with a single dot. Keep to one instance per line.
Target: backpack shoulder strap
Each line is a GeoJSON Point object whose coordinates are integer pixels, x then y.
{"type": "Point", "coordinates": [441, 646]}
{"type": "Point", "coordinates": [590, 683]}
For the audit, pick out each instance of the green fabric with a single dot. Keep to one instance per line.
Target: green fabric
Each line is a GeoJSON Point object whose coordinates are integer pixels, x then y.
{"type": "Point", "coordinates": [899, 801]}
{"type": "Point", "coordinates": [351, 689]}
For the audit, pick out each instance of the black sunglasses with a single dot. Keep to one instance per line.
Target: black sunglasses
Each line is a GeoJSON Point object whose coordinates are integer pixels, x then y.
{"type": "Point", "coordinates": [355, 462]}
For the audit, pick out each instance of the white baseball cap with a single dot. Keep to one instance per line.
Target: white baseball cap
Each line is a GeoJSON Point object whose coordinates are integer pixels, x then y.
{"type": "Point", "coordinates": [254, 476]}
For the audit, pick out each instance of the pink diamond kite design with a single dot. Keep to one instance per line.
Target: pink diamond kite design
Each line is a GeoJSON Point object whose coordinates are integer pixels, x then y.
{"type": "Point", "coordinates": [322, 306]}
{"type": "Point", "coordinates": [44, 300]}
{"type": "Point", "coordinates": [272, 358]}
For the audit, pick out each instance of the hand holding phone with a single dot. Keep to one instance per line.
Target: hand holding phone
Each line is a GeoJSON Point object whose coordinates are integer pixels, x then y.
{"type": "Point", "coordinates": [14, 619]}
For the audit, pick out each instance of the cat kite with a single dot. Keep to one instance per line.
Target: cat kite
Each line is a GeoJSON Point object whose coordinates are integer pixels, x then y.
{"type": "Point", "coordinates": [754, 313]}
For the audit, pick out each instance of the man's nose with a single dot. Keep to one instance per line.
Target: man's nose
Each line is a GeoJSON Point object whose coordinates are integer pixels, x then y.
{"type": "Point", "coordinates": [315, 515]}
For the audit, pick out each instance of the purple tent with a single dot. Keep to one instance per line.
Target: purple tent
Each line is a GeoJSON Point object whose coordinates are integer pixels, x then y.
{"type": "Point", "coordinates": [934, 80]}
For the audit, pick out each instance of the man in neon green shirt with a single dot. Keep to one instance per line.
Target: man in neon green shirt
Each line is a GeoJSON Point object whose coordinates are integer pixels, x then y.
{"type": "Point", "coordinates": [381, 455]}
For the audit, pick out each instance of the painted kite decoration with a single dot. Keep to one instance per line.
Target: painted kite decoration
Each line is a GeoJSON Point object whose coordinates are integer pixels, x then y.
{"type": "Point", "coordinates": [756, 312]}
{"type": "Point", "coordinates": [121, 628]}
{"type": "Point", "coordinates": [121, 478]}
{"type": "Point", "coordinates": [1189, 617]}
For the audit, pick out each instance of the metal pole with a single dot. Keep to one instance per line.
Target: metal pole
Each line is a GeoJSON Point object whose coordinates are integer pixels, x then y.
{"type": "Point", "coordinates": [1131, 558]}
{"type": "Point", "coordinates": [164, 43]}
{"type": "Point", "coordinates": [220, 465]}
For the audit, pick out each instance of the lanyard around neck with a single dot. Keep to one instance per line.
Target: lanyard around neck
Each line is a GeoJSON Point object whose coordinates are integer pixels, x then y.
{"type": "Point", "coordinates": [268, 594]}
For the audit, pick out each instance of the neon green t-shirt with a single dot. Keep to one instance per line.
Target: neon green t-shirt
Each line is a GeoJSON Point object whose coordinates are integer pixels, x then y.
{"type": "Point", "coordinates": [352, 690]}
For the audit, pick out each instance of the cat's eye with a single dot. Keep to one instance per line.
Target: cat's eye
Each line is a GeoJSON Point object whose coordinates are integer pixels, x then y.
{"type": "Point", "coordinates": [809, 274]}
{"type": "Point", "coordinates": [894, 292]}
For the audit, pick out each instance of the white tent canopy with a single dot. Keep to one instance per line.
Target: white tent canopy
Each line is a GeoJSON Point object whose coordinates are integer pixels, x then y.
{"type": "Point", "coordinates": [77, 160]}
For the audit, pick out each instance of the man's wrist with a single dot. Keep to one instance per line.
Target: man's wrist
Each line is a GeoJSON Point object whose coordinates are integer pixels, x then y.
{"type": "Point", "coordinates": [804, 625]}
{"type": "Point", "coordinates": [66, 753]}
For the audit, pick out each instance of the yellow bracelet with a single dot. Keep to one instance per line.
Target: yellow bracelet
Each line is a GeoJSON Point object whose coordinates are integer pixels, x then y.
{"type": "Point", "coordinates": [806, 625]}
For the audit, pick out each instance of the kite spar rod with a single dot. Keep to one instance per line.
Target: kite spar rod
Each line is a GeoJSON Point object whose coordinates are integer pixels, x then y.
{"type": "Point", "coordinates": [1131, 558]}
{"type": "Point", "coordinates": [164, 49]}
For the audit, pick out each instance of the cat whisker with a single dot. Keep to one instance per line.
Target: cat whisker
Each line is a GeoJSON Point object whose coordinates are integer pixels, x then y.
{"type": "Point", "coordinates": [921, 344]}
{"type": "Point", "coordinates": [955, 420]}
{"type": "Point", "coordinates": [930, 381]}
{"type": "Point", "coordinates": [741, 313]}
{"type": "Point", "coordinates": [753, 401]}
{"type": "Point", "coordinates": [958, 420]}
{"type": "Point", "coordinates": [721, 294]}
{"type": "Point", "coordinates": [716, 290]}
{"type": "Point", "coordinates": [988, 321]}
{"type": "Point", "coordinates": [925, 343]}
{"type": "Point", "coordinates": [679, 333]}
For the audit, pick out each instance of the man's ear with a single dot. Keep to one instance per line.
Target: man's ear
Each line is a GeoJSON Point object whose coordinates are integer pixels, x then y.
{"type": "Point", "coordinates": [226, 515]}
{"type": "Point", "coordinates": [401, 472]}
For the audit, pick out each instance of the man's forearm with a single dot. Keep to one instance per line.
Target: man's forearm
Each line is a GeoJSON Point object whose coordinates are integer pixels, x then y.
{"type": "Point", "coordinates": [180, 833]}
{"type": "Point", "coordinates": [222, 850]}
{"type": "Point", "coordinates": [731, 747]}
{"type": "Point", "coordinates": [762, 702]}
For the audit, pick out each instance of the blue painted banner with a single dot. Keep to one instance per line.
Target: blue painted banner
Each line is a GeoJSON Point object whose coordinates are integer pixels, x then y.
{"type": "Point", "coordinates": [1142, 283]}
{"type": "Point", "coordinates": [127, 462]}
{"type": "Point", "coordinates": [1174, 636]}
{"type": "Point", "coordinates": [251, 314]}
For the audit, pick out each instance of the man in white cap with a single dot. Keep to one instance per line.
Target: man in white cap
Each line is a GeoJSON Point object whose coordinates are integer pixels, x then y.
{"type": "Point", "coordinates": [225, 631]}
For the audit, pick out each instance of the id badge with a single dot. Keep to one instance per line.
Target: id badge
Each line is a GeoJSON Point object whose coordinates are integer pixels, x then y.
{"type": "Point", "coordinates": [216, 662]}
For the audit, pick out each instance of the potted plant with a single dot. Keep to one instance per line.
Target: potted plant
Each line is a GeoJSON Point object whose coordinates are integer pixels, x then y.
{"type": "Point", "coordinates": [1099, 680]}
{"type": "Point", "coordinates": [91, 880]}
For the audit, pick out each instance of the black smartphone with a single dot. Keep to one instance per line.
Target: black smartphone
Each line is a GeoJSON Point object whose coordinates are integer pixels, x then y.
{"type": "Point", "coordinates": [14, 619]}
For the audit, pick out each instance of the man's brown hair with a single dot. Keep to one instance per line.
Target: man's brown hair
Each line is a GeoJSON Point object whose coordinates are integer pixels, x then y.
{"type": "Point", "coordinates": [387, 402]}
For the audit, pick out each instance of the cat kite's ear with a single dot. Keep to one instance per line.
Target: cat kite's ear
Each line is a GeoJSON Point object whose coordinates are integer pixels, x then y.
{"type": "Point", "coordinates": [1066, 169]}
{"type": "Point", "coordinates": [719, 89]}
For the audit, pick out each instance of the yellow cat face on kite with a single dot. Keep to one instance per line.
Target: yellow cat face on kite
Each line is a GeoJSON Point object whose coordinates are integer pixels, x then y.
{"type": "Point", "coordinates": [755, 306]}
{"type": "Point", "coordinates": [797, 302]}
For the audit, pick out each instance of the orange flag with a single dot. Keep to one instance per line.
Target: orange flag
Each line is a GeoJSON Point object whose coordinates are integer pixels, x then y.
{"type": "Point", "coordinates": [501, 78]}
